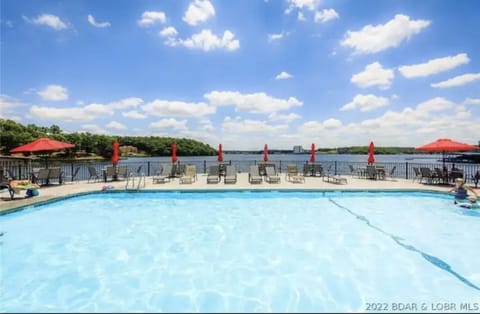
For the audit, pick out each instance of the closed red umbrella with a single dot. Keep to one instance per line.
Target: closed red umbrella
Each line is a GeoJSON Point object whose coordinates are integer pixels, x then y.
{"type": "Point", "coordinates": [115, 155]}
{"type": "Point", "coordinates": [43, 144]}
{"type": "Point", "coordinates": [371, 150]}
{"type": "Point", "coordinates": [265, 153]}
{"type": "Point", "coordinates": [174, 152]}
{"type": "Point", "coordinates": [220, 153]}
{"type": "Point", "coordinates": [312, 153]}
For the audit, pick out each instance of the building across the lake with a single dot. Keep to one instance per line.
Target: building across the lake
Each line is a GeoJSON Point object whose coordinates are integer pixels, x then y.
{"type": "Point", "coordinates": [298, 149]}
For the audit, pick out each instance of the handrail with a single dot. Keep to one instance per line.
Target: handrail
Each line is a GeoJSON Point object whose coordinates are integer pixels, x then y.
{"type": "Point", "coordinates": [130, 178]}
{"type": "Point", "coordinates": [142, 176]}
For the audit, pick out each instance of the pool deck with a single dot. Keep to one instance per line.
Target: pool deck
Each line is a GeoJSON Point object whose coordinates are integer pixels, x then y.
{"type": "Point", "coordinates": [311, 183]}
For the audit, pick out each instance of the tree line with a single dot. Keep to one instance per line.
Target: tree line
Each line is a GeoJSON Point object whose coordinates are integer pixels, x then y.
{"type": "Point", "coordinates": [13, 134]}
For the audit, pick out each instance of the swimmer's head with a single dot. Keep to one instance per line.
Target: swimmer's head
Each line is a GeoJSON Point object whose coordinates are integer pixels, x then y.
{"type": "Point", "coordinates": [459, 181]}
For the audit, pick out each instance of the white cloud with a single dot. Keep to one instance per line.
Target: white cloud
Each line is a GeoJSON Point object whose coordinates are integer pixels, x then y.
{"type": "Point", "coordinates": [87, 113]}
{"type": "Point", "coordinates": [8, 105]}
{"type": "Point", "coordinates": [365, 103]}
{"type": "Point", "coordinates": [152, 17]}
{"type": "Point", "coordinates": [49, 20]}
{"type": "Point", "coordinates": [253, 103]}
{"type": "Point", "coordinates": [134, 115]}
{"type": "Point", "coordinates": [274, 37]}
{"type": "Point", "coordinates": [93, 128]}
{"type": "Point", "coordinates": [199, 11]}
{"type": "Point", "coordinates": [206, 41]}
{"type": "Point", "coordinates": [326, 15]}
{"type": "Point", "coordinates": [316, 127]}
{"type": "Point", "coordinates": [126, 103]}
{"type": "Point", "coordinates": [170, 124]}
{"type": "Point", "coordinates": [373, 75]}
{"type": "Point", "coordinates": [458, 80]}
{"type": "Point", "coordinates": [116, 125]}
{"type": "Point", "coordinates": [301, 4]}
{"type": "Point", "coordinates": [92, 21]}
{"type": "Point", "coordinates": [434, 66]}
{"type": "Point", "coordinates": [177, 108]}
{"type": "Point", "coordinates": [283, 76]}
{"type": "Point", "coordinates": [238, 125]}
{"type": "Point", "coordinates": [54, 93]}
{"type": "Point", "coordinates": [375, 38]}
{"type": "Point", "coordinates": [284, 117]}
{"type": "Point", "coordinates": [301, 17]}
{"type": "Point", "coordinates": [472, 101]}
{"type": "Point", "coordinates": [168, 32]}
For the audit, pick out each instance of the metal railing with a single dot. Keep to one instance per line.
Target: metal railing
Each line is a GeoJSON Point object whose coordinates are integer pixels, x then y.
{"type": "Point", "coordinates": [22, 169]}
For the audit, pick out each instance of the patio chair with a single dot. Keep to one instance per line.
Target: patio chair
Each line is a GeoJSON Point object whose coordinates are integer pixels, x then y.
{"type": "Point", "coordinates": [371, 172]}
{"type": "Point", "coordinates": [418, 174]}
{"type": "Point", "coordinates": [122, 171]}
{"type": "Point", "coordinates": [428, 175]}
{"type": "Point", "coordinates": [318, 169]}
{"type": "Point", "coordinates": [271, 176]}
{"type": "Point", "coordinates": [213, 174]}
{"type": "Point", "coordinates": [307, 170]}
{"type": "Point", "coordinates": [42, 176]}
{"type": "Point", "coordinates": [254, 176]}
{"type": "Point", "coordinates": [392, 172]}
{"type": "Point", "coordinates": [476, 178]}
{"type": "Point", "coordinates": [441, 175]}
{"type": "Point", "coordinates": [190, 174]}
{"type": "Point", "coordinates": [230, 175]}
{"type": "Point", "coordinates": [164, 175]}
{"type": "Point", "coordinates": [92, 172]}
{"type": "Point", "coordinates": [109, 173]}
{"type": "Point", "coordinates": [55, 174]}
{"type": "Point", "coordinates": [293, 175]}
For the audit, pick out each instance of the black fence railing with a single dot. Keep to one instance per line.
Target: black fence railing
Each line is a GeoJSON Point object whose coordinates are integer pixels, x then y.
{"type": "Point", "coordinates": [22, 169]}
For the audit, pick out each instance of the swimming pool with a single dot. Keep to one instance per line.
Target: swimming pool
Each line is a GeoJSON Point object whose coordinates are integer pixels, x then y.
{"type": "Point", "coordinates": [239, 251]}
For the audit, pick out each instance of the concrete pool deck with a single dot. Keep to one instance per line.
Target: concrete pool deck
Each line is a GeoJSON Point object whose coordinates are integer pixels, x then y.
{"type": "Point", "coordinates": [311, 183]}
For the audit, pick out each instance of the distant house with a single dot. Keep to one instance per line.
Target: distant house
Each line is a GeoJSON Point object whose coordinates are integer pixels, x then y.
{"type": "Point", "coordinates": [127, 149]}
{"type": "Point", "coordinates": [298, 149]}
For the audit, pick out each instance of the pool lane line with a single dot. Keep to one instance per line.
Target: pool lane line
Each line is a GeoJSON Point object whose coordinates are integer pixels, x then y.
{"type": "Point", "coordinates": [430, 258]}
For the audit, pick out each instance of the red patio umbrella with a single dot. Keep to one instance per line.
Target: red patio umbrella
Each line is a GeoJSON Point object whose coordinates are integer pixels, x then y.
{"type": "Point", "coordinates": [265, 153]}
{"type": "Point", "coordinates": [371, 150]}
{"type": "Point", "coordinates": [220, 153]}
{"type": "Point", "coordinates": [312, 153]}
{"type": "Point", "coordinates": [115, 155]}
{"type": "Point", "coordinates": [174, 152]}
{"type": "Point", "coordinates": [445, 145]}
{"type": "Point", "coordinates": [43, 144]}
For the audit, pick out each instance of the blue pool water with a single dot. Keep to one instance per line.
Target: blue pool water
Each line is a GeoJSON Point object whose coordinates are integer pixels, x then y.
{"type": "Point", "coordinates": [238, 251]}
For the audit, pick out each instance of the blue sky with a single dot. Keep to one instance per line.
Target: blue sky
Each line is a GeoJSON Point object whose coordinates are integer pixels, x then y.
{"type": "Point", "coordinates": [246, 72]}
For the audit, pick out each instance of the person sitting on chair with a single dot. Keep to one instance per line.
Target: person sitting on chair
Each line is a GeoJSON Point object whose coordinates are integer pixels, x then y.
{"type": "Point", "coordinates": [461, 190]}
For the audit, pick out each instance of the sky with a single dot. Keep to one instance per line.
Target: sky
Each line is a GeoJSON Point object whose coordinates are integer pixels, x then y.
{"type": "Point", "coordinates": [246, 73]}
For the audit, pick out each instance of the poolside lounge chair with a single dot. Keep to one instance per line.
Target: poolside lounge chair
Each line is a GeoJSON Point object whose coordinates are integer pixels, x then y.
{"type": "Point", "coordinates": [418, 174]}
{"type": "Point", "coordinates": [92, 171]}
{"type": "Point", "coordinates": [271, 176]}
{"type": "Point", "coordinates": [55, 174]}
{"type": "Point", "coordinates": [42, 176]}
{"type": "Point", "coordinates": [122, 171]}
{"type": "Point", "coordinates": [164, 175]}
{"type": "Point", "coordinates": [190, 174]}
{"type": "Point", "coordinates": [213, 174]}
{"type": "Point", "coordinates": [292, 174]}
{"type": "Point", "coordinates": [334, 179]}
{"type": "Point", "coordinates": [254, 176]}
{"type": "Point", "coordinates": [230, 175]}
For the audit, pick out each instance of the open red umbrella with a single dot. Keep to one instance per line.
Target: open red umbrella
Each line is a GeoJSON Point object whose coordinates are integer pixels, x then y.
{"type": "Point", "coordinates": [115, 155]}
{"type": "Point", "coordinates": [445, 145]}
{"type": "Point", "coordinates": [174, 152]}
{"type": "Point", "coordinates": [371, 150]}
{"type": "Point", "coordinates": [43, 144]}
{"type": "Point", "coordinates": [312, 153]}
{"type": "Point", "coordinates": [265, 153]}
{"type": "Point", "coordinates": [220, 153]}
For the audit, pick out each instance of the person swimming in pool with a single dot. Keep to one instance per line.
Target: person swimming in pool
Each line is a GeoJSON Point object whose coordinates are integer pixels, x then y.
{"type": "Point", "coordinates": [461, 191]}
{"type": "Point", "coordinates": [471, 204]}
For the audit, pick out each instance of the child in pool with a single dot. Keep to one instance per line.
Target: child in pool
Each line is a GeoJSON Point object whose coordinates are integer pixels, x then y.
{"type": "Point", "coordinates": [471, 204]}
